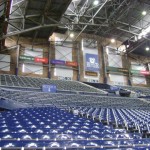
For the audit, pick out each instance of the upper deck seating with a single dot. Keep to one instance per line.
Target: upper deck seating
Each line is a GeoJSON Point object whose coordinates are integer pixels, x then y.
{"type": "Point", "coordinates": [67, 100]}
{"type": "Point", "coordinates": [142, 90]}
{"type": "Point", "coordinates": [30, 82]}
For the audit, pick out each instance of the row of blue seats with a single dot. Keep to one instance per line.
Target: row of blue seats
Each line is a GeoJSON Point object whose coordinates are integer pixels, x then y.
{"type": "Point", "coordinates": [76, 144]}
{"type": "Point", "coordinates": [66, 131]}
{"type": "Point", "coordinates": [138, 120]}
{"type": "Point", "coordinates": [73, 136]}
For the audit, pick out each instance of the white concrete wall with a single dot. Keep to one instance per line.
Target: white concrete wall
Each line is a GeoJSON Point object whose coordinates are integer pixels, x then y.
{"type": "Point", "coordinates": [5, 62]}
{"type": "Point", "coordinates": [63, 53]}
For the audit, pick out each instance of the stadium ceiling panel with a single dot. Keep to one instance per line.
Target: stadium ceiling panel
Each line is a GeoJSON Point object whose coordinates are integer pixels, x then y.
{"type": "Point", "coordinates": [119, 19]}
{"type": "Point", "coordinates": [34, 19]}
{"type": "Point", "coordinates": [124, 20]}
{"type": "Point", "coordinates": [4, 12]}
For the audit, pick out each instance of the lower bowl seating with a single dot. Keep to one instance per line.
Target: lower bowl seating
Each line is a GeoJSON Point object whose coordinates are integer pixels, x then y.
{"type": "Point", "coordinates": [53, 128]}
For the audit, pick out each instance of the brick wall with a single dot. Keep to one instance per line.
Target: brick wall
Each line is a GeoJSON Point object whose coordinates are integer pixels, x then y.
{"type": "Point", "coordinates": [50, 48]}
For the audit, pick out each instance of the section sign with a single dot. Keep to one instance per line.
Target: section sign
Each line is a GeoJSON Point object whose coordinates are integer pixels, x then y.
{"type": "Point", "coordinates": [49, 88]}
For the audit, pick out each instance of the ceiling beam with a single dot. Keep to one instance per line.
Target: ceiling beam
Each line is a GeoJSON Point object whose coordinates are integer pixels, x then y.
{"type": "Point", "coordinates": [77, 15]}
{"type": "Point", "coordinates": [133, 33]}
{"type": "Point", "coordinates": [16, 4]}
{"type": "Point", "coordinates": [127, 31]}
{"type": "Point", "coordinates": [112, 15]}
{"type": "Point", "coordinates": [135, 47]}
{"type": "Point", "coordinates": [105, 19]}
{"type": "Point", "coordinates": [21, 17]}
{"type": "Point", "coordinates": [47, 26]}
{"type": "Point", "coordinates": [103, 4]}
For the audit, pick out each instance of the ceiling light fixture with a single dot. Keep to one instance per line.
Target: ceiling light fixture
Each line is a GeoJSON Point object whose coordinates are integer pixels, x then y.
{"type": "Point", "coordinates": [144, 13]}
{"type": "Point", "coordinates": [71, 35]}
{"type": "Point", "coordinates": [96, 2]}
{"type": "Point", "coordinates": [112, 40]}
{"type": "Point", "coordinates": [147, 48]}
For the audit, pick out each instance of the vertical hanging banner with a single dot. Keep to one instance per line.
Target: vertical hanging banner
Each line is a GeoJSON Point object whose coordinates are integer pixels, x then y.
{"type": "Point", "coordinates": [91, 62]}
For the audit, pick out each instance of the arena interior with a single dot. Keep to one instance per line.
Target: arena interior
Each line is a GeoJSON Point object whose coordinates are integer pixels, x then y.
{"type": "Point", "coordinates": [74, 74]}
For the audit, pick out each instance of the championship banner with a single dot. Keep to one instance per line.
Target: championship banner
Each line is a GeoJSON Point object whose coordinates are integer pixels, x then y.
{"type": "Point", "coordinates": [42, 60]}
{"type": "Point", "coordinates": [119, 70]}
{"type": "Point", "coordinates": [145, 72]}
{"type": "Point", "coordinates": [135, 71]}
{"type": "Point", "coordinates": [140, 72]}
{"type": "Point", "coordinates": [65, 63]}
{"type": "Point", "coordinates": [24, 57]}
{"type": "Point", "coordinates": [91, 62]}
{"type": "Point", "coordinates": [71, 63]}
{"type": "Point", "coordinates": [57, 62]}
{"type": "Point", "coordinates": [89, 73]}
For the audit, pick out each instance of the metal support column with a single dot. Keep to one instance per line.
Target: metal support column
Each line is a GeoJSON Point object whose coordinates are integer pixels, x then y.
{"type": "Point", "coordinates": [17, 60]}
{"type": "Point", "coordinates": [49, 64]}
{"type": "Point", "coordinates": [129, 75]}
{"type": "Point", "coordinates": [129, 80]}
{"type": "Point", "coordinates": [147, 77]}
{"type": "Point", "coordinates": [104, 65]}
{"type": "Point", "coordinates": [78, 59]}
